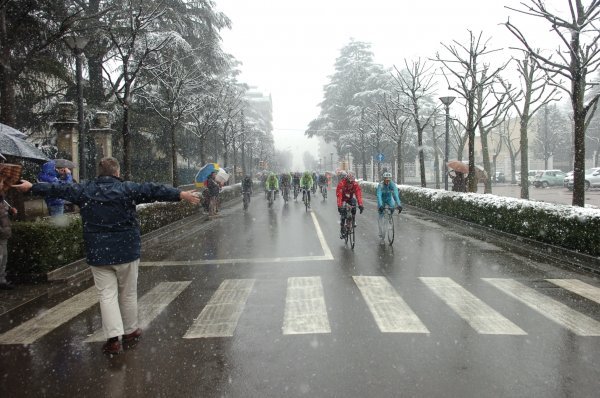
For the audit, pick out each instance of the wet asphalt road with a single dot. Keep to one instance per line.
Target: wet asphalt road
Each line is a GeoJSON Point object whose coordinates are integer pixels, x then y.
{"type": "Point", "coordinates": [296, 313]}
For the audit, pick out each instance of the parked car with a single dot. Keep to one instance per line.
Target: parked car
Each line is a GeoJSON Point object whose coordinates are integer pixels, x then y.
{"type": "Point", "coordinates": [499, 177]}
{"type": "Point", "coordinates": [592, 179]}
{"type": "Point", "coordinates": [531, 174]}
{"type": "Point", "coordinates": [549, 178]}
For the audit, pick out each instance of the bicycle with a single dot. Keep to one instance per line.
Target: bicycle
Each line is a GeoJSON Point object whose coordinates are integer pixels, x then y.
{"type": "Point", "coordinates": [324, 191]}
{"type": "Point", "coordinates": [286, 194]}
{"type": "Point", "coordinates": [271, 197]}
{"type": "Point", "coordinates": [296, 192]}
{"type": "Point", "coordinates": [246, 199]}
{"type": "Point", "coordinates": [306, 198]}
{"type": "Point", "coordinates": [348, 225]}
{"type": "Point", "coordinates": [386, 224]}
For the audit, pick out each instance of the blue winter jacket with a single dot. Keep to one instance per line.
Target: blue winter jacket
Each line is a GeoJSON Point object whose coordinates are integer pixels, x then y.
{"type": "Point", "coordinates": [111, 230]}
{"type": "Point", "coordinates": [49, 174]}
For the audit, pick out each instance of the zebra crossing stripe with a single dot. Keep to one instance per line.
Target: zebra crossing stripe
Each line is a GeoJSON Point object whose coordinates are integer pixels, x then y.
{"type": "Point", "coordinates": [483, 318]}
{"type": "Point", "coordinates": [581, 288]}
{"type": "Point", "coordinates": [151, 305]}
{"type": "Point", "coordinates": [305, 311]}
{"type": "Point", "coordinates": [390, 311]}
{"type": "Point", "coordinates": [558, 312]}
{"type": "Point", "coordinates": [35, 328]}
{"type": "Point", "coordinates": [220, 316]}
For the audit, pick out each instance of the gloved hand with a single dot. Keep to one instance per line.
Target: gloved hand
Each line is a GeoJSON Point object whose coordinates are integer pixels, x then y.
{"type": "Point", "coordinates": [361, 208]}
{"type": "Point", "coordinates": [381, 209]}
{"type": "Point", "coordinates": [340, 210]}
{"type": "Point", "coordinates": [399, 209]}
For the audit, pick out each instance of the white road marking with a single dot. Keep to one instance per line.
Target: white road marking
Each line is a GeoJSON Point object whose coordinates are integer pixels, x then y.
{"type": "Point", "coordinates": [305, 310]}
{"type": "Point", "coordinates": [562, 314]}
{"type": "Point", "coordinates": [220, 316]}
{"type": "Point", "coordinates": [151, 305]}
{"type": "Point", "coordinates": [390, 311]}
{"type": "Point", "coordinates": [576, 286]}
{"type": "Point", "coordinates": [481, 317]}
{"type": "Point", "coordinates": [35, 328]}
{"type": "Point", "coordinates": [326, 251]}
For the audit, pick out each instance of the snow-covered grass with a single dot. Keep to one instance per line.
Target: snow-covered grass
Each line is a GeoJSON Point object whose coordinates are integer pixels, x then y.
{"type": "Point", "coordinates": [575, 228]}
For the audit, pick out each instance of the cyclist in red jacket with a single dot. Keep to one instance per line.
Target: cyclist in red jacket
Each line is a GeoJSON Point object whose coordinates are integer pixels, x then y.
{"type": "Point", "coordinates": [348, 191]}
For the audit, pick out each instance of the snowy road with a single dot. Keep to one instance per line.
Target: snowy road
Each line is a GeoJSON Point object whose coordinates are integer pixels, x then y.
{"type": "Point", "coordinates": [272, 303]}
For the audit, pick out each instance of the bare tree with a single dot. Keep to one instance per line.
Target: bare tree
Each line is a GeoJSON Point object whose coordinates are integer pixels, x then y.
{"type": "Point", "coordinates": [398, 124]}
{"type": "Point", "coordinates": [489, 122]}
{"type": "Point", "coordinates": [416, 83]}
{"type": "Point", "coordinates": [468, 76]}
{"type": "Point", "coordinates": [133, 45]}
{"type": "Point", "coordinates": [174, 96]}
{"type": "Point", "coordinates": [579, 57]}
{"type": "Point", "coordinates": [512, 143]}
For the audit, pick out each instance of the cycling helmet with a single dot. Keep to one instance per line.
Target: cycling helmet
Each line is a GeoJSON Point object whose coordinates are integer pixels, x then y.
{"type": "Point", "coordinates": [342, 174]}
{"type": "Point", "coordinates": [351, 177]}
{"type": "Point", "coordinates": [387, 174]}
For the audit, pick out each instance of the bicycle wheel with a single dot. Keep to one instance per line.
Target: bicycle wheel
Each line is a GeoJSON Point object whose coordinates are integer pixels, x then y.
{"type": "Point", "coordinates": [346, 231]}
{"type": "Point", "coordinates": [352, 233]}
{"type": "Point", "coordinates": [270, 198]}
{"type": "Point", "coordinates": [246, 201]}
{"type": "Point", "coordinates": [390, 226]}
{"type": "Point", "coordinates": [306, 202]}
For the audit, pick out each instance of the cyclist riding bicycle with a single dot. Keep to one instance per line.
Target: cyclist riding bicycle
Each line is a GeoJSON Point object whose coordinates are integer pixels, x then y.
{"type": "Point", "coordinates": [272, 184]}
{"type": "Point", "coordinates": [322, 181]}
{"type": "Point", "coordinates": [315, 178]}
{"type": "Point", "coordinates": [306, 183]}
{"type": "Point", "coordinates": [348, 191]}
{"type": "Point", "coordinates": [296, 183]}
{"type": "Point", "coordinates": [285, 180]}
{"type": "Point", "coordinates": [387, 194]}
{"type": "Point", "coordinates": [247, 185]}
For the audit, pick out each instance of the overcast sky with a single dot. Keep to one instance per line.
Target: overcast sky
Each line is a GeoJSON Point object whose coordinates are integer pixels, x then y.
{"type": "Point", "coordinates": [288, 48]}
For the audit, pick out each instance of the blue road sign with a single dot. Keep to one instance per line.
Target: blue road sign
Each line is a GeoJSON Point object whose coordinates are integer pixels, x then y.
{"type": "Point", "coordinates": [379, 157]}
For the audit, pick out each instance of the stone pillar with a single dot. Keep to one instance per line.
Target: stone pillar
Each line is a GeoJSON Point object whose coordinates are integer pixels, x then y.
{"type": "Point", "coordinates": [67, 134]}
{"type": "Point", "coordinates": [102, 134]}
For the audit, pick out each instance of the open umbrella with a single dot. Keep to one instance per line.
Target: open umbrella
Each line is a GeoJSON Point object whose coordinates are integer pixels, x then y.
{"type": "Point", "coordinates": [12, 143]}
{"type": "Point", "coordinates": [459, 166]}
{"type": "Point", "coordinates": [203, 174]}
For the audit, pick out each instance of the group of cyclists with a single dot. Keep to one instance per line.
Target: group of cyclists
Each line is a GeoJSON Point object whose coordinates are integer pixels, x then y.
{"type": "Point", "coordinates": [348, 191]}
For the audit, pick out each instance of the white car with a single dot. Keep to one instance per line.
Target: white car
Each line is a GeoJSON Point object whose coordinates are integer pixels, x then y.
{"type": "Point", "coordinates": [592, 179]}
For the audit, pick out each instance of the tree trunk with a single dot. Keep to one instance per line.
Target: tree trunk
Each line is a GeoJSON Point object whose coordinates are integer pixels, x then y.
{"type": "Point", "coordinates": [175, 173]}
{"type": "Point", "coordinates": [126, 145]}
{"type": "Point", "coordinates": [421, 157]}
{"type": "Point", "coordinates": [95, 54]}
{"type": "Point", "coordinates": [399, 161]}
{"type": "Point", "coordinates": [7, 78]}
{"type": "Point", "coordinates": [524, 144]}
{"type": "Point", "coordinates": [486, 161]}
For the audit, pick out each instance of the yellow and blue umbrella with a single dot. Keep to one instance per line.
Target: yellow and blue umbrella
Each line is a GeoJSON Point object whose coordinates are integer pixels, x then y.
{"type": "Point", "coordinates": [203, 174]}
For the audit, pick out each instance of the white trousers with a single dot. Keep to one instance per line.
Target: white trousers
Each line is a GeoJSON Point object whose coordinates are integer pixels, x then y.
{"type": "Point", "coordinates": [117, 294]}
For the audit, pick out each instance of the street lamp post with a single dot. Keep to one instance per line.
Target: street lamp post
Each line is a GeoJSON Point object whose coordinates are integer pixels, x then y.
{"type": "Point", "coordinates": [446, 101]}
{"type": "Point", "coordinates": [331, 154]}
{"type": "Point", "coordinates": [77, 44]}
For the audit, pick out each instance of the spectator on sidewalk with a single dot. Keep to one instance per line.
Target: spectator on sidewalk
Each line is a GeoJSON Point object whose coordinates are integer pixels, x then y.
{"type": "Point", "coordinates": [112, 239]}
{"type": "Point", "coordinates": [213, 194]}
{"type": "Point", "coordinates": [5, 233]}
{"type": "Point", "coordinates": [50, 174]}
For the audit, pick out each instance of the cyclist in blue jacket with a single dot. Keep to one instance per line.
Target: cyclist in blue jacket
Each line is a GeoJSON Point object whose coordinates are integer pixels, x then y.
{"type": "Point", "coordinates": [387, 193]}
